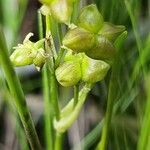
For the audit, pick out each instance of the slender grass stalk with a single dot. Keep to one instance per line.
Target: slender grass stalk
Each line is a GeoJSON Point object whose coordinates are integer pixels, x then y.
{"type": "Point", "coordinates": [54, 95]}
{"type": "Point", "coordinates": [62, 50]}
{"type": "Point", "coordinates": [17, 93]}
{"type": "Point", "coordinates": [111, 95]}
{"type": "Point", "coordinates": [58, 141]}
{"type": "Point", "coordinates": [109, 110]}
{"type": "Point", "coordinates": [145, 128]}
{"type": "Point", "coordinates": [75, 11]}
{"type": "Point", "coordinates": [53, 85]}
{"type": "Point", "coordinates": [46, 94]}
{"type": "Point", "coordinates": [47, 109]}
{"type": "Point", "coordinates": [136, 33]}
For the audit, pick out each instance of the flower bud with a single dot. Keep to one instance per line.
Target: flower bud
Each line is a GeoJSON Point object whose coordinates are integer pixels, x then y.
{"type": "Point", "coordinates": [93, 70]}
{"type": "Point", "coordinates": [111, 31]}
{"type": "Point", "coordinates": [69, 73]}
{"type": "Point", "coordinates": [40, 58]}
{"type": "Point", "coordinates": [79, 40]}
{"type": "Point", "coordinates": [61, 10]}
{"type": "Point", "coordinates": [103, 50]}
{"type": "Point", "coordinates": [90, 19]}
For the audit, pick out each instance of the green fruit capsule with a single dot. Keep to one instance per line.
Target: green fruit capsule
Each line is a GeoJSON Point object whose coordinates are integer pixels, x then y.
{"type": "Point", "coordinates": [90, 19]}
{"type": "Point", "coordinates": [104, 49]}
{"type": "Point", "coordinates": [61, 10]}
{"type": "Point", "coordinates": [70, 56]}
{"type": "Point", "coordinates": [40, 59]}
{"type": "Point", "coordinates": [111, 31]}
{"type": "Point", "coordinates": [93, 70]}
{"type": "Point", "coordinates": [79, 40]}
{"type": "Point", "coordinates": [25, 53]}
{"type": "Point", "coordinates": [22, 56]}
{"type": "Point", "coordinates": [69, 73]}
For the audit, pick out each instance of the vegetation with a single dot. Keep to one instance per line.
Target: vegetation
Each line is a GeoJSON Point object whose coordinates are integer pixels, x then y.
{"type": "Point", "coordinates": [84, 55]}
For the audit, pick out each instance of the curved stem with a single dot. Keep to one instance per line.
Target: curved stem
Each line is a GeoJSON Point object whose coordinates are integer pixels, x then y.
{"type": "Point", "coordinates": [17, 93]}
{"type": "Point", "coordinates": [109, 110]}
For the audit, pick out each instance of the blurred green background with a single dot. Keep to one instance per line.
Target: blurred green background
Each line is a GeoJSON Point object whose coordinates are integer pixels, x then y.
{"type": "Point", "coordinates": [19, 17]}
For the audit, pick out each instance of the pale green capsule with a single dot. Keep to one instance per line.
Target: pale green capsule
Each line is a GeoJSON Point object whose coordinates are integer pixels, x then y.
{"type": "Point", "coordinates": [111, 31]}
{"type": "Point", "coordinates": [68, 73]}
{"type": "Point", "coordinates": [90, 19]}
{"type": "Point", "coordinates": [71, 56]}
{"type": "Point", "coordinates": [23, 55]}
{"type": "Point", "coordinates": [40, 59]}
{"type": "Point", "coordinates": [103, 50]}
{"type": "Point", "coordinates": [61, 10]}
{"type": "Point", "coordinates": [79, 40]}
{"type": "Point", "coordinates": [93, 70]}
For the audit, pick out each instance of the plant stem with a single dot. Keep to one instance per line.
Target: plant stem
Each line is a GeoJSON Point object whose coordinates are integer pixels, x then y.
{"type": "Point", "coordinates": [75, 11]}
{"type": "Point", "coordinates": [47, 108]}
{"type": "Point", "coordinates": [46, 94]}
{"type": "Point", "coordinates": [62, 50]}
{"type": "Point", "coordinates": [109, 110]}
{"type": "Point", "coordinates": [144, 135]}
{"type": "Point", "coordinates": [54, 95]}
{"type": "Point", "coordinates": [58, 141]}
{"type": "Point", "coordinates": [69, 113]}
{"type": "Point", "coordinates": [53, 83]}
{"type": "Point", "coordinates": [76, 94]}
{"type": "Point", "coordinates": [17, 93]}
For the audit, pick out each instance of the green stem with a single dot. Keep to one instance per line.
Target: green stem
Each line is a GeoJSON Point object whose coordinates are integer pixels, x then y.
{"type": "Point", "coordinates": [17, 93]}
{"type": "Point", "coordinates": [58, 141]}
{"type": "Point", "coordinates": [53, 83]}
{"type": "Point", "coordinates": [75, 11]}
{"type": "Point", "coordinates": [54, 95]}
{"type": "Point", "coordinates": [46, 94]}
{"type": "Point", "coordinates": [62, 50]}
{"type": "Point", "coordinates": [69, 113]}
{"type": "Point", "coordinates": [47, 108]}
{"type": "Point", "coordinates": [144, 135]}
{"type": "Point", "coordinates": [109, 110]}
{"type": "Point", "coordinates": [76, 94]}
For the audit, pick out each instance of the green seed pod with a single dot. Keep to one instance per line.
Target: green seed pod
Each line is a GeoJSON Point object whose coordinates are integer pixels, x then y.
{"type": "Point", "coordinates": [90, 19]}
{"type": "Point", "coordinates": [70, 56]}
{"type": "Point", "coordinates": [103, 50]}
{"type": "Point", "coordinates": [79, 40]}
{"type": "Point", "coordinates": [111, 31]}
{"type": "Point", "coordinates": [69, 73]}
{"type": "Point", "coordinates": [61, 10]}
{"type": "Point", "coordinates": [22, 56]}
{"type": "Point", "coordinates": [93, 70]}
{"type": "Point", "coordinates": [40, 59]}
{"type": "Point", "coordinates": [26, 52]}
